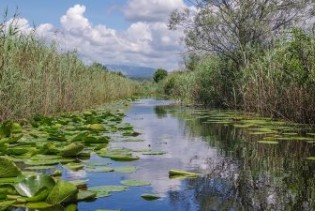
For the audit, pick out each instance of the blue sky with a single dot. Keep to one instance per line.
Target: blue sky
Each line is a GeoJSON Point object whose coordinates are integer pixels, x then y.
{"type": "Point", "coordinates": [130, 32]}
{"type": "Point", "coordinates": [107, 12]}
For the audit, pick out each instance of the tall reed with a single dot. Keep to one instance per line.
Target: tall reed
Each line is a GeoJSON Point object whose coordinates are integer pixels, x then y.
{"type": "Point", "coordinates": [37, 79]}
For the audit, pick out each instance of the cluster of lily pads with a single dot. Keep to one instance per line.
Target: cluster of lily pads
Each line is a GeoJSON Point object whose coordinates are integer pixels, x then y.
{"type": "Point", "coordinates": [45, 143]}
{"type": "Point", "coordinates": [269, 130]}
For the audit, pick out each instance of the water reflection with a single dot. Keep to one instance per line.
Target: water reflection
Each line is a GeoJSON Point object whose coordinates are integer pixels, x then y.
{"type": "Point", "coordinates": [252, 176]}
{"type": "Point", "coordinates": [160, 111]}
{"type": "Point", "coordinates": [238, 173]}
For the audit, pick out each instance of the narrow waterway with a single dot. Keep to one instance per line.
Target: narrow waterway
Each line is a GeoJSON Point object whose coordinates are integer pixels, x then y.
{"type": "Point", "coordinates": [237, 172]}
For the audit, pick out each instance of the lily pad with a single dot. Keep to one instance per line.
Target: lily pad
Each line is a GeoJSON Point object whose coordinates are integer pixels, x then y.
{"type": "Point", "coordinates": [80, 183]}
{"type": "Point", "coordinates": [5, 204]}
{"type": "Point", "coordinates": [63, 191]}
{"type": "Point", "coordinates": [134, 183]}
{"type": "Point", "coordinates": [119, 156]}
{"type": "Point", "coordinates": [154, 153]}
{"type": "Point", "coordinates": [84, 195]}
{"type": "Point", "coordinates": [40, 167]}
{"type": "Point", "coordinates": [104, 191]}
{"type": "Point", "coordinates": [8, 180]}
{"type": "Point", "coordinates": [96, 127]}
{"type": "Point", "coordinates": [74, 166]}
{"type": "Point", "coordinates": [125, 169]}
{"type": "Point", "coordinates": [30, 186]}
{"type": "Point", "coordinates": [8, 168]}
{"type": "Point", "coordinates": [38, 205]}
{"type": "Point", "coordinates": [72, 150]}
{"type": "Point", "coordinates": [100, 169]}
{"type": "Point", "coordinates": [44, 162]}
{"type": "Point", "coordinates": [180, 173]}
{"type": "Point", "coordinates": [150, 196]}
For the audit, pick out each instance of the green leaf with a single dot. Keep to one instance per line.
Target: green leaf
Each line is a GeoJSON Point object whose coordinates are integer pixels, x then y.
{"type": "Point", "coordinates": [179, 173]}
{"type": "Point", "coordinates": [134, 183]}
{"type": "Point", "coordinates": [8, 180]}
{"type": "Point", "coordinates": [63, 191]}
{"type": "Point", "coordinates": [5, 204]}
{"type": "Point", "coordinates": [40, 196]}
{"type": "Point", "coordinates": [30, 186]}
{"type": "Point", "coordinates": [40, 167]}
{"type": "Point", "coordinates": [125, 169]}
{"type": "Point", "coordinates": [84, 195]}
{"type": "Point", "coordinates": [8, 168]}
{"type": "Point", "coordinates": [71, 207]}
{"type": "Point", "coordinates": [74, 166]}
{"type": "Point", "coordinates": [104, 191]}
{"type": "Point", "coordinates": [100, 169]}
{"type": "Point", "coordinates": [72, 150]}
{"type": "Point", "coordinates": [96, 127]}
{"type": "Point", "coordinates": [38, 205]}
{"type": "Point", "coordinates": [150, 196]}
{"type": "Point", "coordinates": [154, 153]}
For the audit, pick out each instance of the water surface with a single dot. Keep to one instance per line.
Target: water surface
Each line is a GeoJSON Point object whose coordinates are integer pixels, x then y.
{"type": "Point", "coordinates": [238, 173]}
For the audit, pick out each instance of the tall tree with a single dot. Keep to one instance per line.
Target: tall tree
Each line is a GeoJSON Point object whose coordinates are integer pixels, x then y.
{"type": "Point", "coordinates": [229, 27]}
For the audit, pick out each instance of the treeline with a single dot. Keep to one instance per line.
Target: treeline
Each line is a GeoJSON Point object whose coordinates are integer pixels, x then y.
{"type": "Point", "coordinates": [253, 55]}
{"type": "Point", "coordinates": [35, 78]}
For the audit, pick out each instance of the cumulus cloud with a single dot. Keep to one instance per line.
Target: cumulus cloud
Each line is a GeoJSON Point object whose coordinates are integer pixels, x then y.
{"type": "Point", "coordinates": [151, 11]}
{"type": "Point", "coordinates": [142, 43]}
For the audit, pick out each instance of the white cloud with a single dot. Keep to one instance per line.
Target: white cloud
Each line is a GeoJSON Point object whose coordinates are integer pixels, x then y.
{"type": "Point", "coordinates": [19, 24]}
{"type": "Point", "coordinates": [151, 11]}
{"type": "Point", "coordinates": [74, 18]}
{"type": "Point", "coordinates": [146, 44]}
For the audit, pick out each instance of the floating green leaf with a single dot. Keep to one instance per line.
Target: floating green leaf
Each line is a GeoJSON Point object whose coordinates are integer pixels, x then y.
{"type": "Point", "coordinates": [63, 191]}
{"type": "Point", "coordinates": [125, 169]}
{"type": "Point", "coordinates": [154, 153]}
{"type": "Point", "coordinates": [180, 173]}
{"type": "Point", "coordinates": [74, 166]}
{"type": "Point", "coordinates": [72, 150]}
{"type": "Point", "coordinates": [86, 195]}
{"type": "Point", "coordinates": [30, 186]}
{"type": "Point", "coordinates": [8, 168]}
{"type": "Point", "coordinates": [38, 205]}
{"type": "Point", "coordinates": [150, 196]}
{"type": "Point", "coordinates": [80, 183]}
{"type": "Point", "coordinates": [100, 169]}
{"type": "Point", "coordinates": [104, 191]}
{"type": "Point", "coordinates": [5, 204]}
{"type": "Point", "coordinates": [40, 167]}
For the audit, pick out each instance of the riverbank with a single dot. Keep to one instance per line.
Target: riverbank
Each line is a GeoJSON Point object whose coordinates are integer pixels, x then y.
{"type": "Point", "coordinates": [275, 82]}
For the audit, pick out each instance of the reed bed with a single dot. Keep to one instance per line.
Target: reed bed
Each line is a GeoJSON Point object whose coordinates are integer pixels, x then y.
{"type": "Point", "coordinates": [35, 78]}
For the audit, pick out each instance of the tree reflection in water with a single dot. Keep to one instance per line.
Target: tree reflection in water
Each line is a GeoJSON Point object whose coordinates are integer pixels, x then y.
{"type": "Point", "coordinates": [250, 176]}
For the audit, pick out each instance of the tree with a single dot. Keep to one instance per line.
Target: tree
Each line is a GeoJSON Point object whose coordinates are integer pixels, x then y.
{"type": "Point", "coordinates": [159, 75]}
{"type": "Point", "coordinates": [230, 27]}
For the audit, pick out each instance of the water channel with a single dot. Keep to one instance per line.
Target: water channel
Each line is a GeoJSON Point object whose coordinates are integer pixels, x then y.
{"type": "Point", "coordinates": [237, 172]}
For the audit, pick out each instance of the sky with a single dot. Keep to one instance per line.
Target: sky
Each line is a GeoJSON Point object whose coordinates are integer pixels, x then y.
{"type": "Point", "coordinates": [128, 32]}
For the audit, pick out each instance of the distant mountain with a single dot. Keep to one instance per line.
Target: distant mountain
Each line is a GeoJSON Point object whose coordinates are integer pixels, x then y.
{"type": "Point", "coordinates": [134, 72]}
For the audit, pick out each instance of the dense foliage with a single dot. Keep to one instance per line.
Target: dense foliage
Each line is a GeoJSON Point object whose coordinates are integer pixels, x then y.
{"type": "Point", "coordinates": [159, 75]}
{"type": "Point", "coordinates": [238, 60]}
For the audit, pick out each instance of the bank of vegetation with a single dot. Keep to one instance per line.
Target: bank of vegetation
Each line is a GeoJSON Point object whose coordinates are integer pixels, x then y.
{"type": "Point", "coordinates": [36, 78]}
{"type": "Point", "coordinates": [253, 55]}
